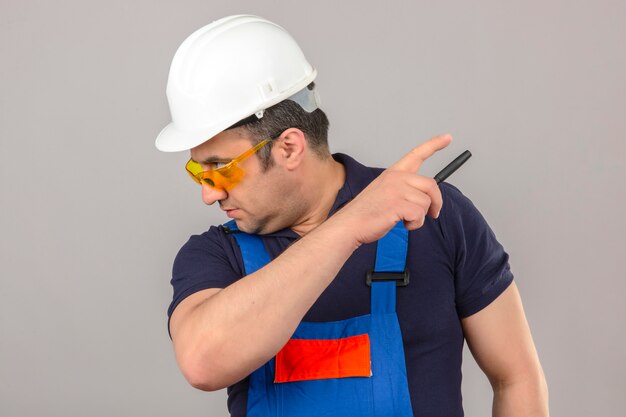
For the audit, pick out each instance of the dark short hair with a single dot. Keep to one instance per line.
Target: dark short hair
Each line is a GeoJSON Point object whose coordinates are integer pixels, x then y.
{"type": "Point", "coordinates": [282, 116]}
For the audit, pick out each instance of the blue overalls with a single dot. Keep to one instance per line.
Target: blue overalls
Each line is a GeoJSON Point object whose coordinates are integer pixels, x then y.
{"type": "Point", "coordinates": [327, 384]}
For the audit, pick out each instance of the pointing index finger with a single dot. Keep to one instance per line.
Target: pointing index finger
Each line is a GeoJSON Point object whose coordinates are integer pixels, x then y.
{"type": "Point", "coordinates": [413, 160]}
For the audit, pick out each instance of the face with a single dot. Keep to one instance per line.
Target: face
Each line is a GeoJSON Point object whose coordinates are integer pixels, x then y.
{"type": "Point", "coordinates": [264, 201]}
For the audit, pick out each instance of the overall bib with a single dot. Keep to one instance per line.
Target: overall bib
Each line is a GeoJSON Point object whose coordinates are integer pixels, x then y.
{"type": "Point", "coordinates": [351, 367]}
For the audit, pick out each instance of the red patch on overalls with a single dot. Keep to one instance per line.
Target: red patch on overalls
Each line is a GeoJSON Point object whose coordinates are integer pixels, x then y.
{"type": "Point", "coordinates": [303, 359]}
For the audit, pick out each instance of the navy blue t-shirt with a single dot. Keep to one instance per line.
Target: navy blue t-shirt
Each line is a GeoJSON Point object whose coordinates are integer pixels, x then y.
{"type": "Point", "coordinates": [457, 267]}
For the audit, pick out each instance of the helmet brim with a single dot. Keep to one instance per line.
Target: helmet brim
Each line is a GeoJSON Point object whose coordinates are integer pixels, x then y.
{"type": "Point", "coordinates": [172, 139]}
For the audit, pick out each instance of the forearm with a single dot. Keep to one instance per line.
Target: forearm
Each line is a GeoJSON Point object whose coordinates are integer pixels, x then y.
{"type": "Point", "coordinates": [525, 398]}
{"type": "Point", "coordinates": [235, 331]}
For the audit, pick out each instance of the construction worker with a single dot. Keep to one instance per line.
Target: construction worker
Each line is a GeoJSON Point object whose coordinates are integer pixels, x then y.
{"type": "Point", "coordinates": [335, 289]}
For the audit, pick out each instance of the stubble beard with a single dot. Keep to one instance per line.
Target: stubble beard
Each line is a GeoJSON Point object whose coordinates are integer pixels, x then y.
{"type": "Point", "coordinates": [286, 216]}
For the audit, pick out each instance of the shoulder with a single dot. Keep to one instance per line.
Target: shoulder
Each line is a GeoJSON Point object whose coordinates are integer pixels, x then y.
{"type": "Point", "coordinates": [458, 212]}
{"type": "Point", "coordinates": [215, 242]}
{"type": "Point", "coordinates": [455, 198]}
{"type": "Point", "coordinates": [482, 270]}
{"type": "Point", "coordinates": [207, 260]}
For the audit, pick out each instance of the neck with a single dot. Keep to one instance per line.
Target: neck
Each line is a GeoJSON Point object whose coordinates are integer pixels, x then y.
{"type": "Point", "coordinates": [323, 182]}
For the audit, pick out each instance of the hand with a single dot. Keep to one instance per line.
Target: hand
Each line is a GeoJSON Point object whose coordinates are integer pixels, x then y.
{"type": "Point", "coordinates": [398, 194]}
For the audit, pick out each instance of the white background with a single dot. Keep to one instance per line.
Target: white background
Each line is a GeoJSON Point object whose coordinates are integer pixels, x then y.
{"type": "Point", "coordinates": [92, 215]}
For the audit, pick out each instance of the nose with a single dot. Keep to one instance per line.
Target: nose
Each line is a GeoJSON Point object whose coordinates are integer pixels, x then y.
{"type": "Point", "coordinates": [210, 195]}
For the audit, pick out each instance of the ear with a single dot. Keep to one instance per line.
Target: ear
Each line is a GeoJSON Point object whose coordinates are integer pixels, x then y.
{"type": "Point", "coordinates": [290, 148]}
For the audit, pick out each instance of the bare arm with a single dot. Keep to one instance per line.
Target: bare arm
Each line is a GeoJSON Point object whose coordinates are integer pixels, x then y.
{"type": "Point", "coordinates": [500, 341]}
{"type": "Point", "coordinates": [222, 335]}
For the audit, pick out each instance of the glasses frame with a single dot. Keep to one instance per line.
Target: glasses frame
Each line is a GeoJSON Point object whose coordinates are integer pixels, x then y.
{"type": "Point", "coordinates": [227, 176]}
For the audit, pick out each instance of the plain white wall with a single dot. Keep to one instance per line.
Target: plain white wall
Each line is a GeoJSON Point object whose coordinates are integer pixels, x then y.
{"type": "Point", "coordinates": [92, 214]}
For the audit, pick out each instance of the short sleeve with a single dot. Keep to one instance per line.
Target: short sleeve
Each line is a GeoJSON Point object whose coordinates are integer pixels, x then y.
{"type": "Point", "coordinates": [205, 261]}
{"type": "Point", "coordinates": [481, 266]}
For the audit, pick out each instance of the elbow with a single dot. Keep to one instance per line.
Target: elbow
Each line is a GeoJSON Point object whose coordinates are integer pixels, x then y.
{"type": "Point", "coordinates": [201, 379]}
{"type": "Point", "coordinates": [534, 379]}
{"type": "Point", "coordinates": [203, 384]}
{"type": "Point", "coordinates": [197, 365]}
{"type": "Point", "coordinates": [202, 374]}
{"type": "Point", "coordinates": [528, 393]}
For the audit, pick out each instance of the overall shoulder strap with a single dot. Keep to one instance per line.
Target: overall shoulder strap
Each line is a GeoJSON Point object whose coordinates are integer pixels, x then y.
{"type": "Point", "coordinates": [390, 269]}
{"type": "Point", "coordinates": [253, 251]}
{"type": "Point", "coordinates": [391, 250]}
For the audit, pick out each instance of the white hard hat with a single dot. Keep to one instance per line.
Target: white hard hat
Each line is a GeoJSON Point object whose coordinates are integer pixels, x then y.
{"type": "Point", "coordinates": [228, 70]}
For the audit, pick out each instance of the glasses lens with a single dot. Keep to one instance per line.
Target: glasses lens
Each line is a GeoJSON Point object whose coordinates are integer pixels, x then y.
{"type": "Point", "coordinates": [225, 177]}
{"type": "Point", "coordinates": [229, 171]}
{"type": "Point", "coordinates": [193, 169]}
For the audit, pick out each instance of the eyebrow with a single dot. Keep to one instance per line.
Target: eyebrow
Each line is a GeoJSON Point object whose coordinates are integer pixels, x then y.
{"type": "Point", "coordinates": [212, 159]}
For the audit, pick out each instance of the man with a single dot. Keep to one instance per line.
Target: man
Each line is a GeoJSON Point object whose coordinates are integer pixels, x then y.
{"type": "Point", "coordinates": [337, 289]}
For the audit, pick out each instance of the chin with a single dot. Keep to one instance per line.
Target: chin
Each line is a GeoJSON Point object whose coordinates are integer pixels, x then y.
{"type": "Point", "coordinates": [255, 227]}
{"type": "Point", "coordinates": [250, 228]}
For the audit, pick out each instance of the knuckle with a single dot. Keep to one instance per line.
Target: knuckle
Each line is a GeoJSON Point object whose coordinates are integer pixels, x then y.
{"type": "Point", "coordinates": [419, 222]}
{"type": "Point", "coordinates": [420, 213]}
{"type": "Point", "coordinates": [431, 185]}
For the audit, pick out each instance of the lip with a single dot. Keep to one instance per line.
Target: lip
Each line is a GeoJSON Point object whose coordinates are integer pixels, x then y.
{"type": "Point", "coordinates": [231, 213]}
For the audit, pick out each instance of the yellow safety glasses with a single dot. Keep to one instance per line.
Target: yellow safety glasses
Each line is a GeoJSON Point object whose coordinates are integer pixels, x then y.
{"type": "Point", "coordinates": [225, 177]}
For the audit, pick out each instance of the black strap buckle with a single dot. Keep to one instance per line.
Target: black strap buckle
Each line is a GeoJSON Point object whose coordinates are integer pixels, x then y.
{"type": "Point", "coordinates": [401, 278]}
{"type": "Point", "coordinates": [228, 230]}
